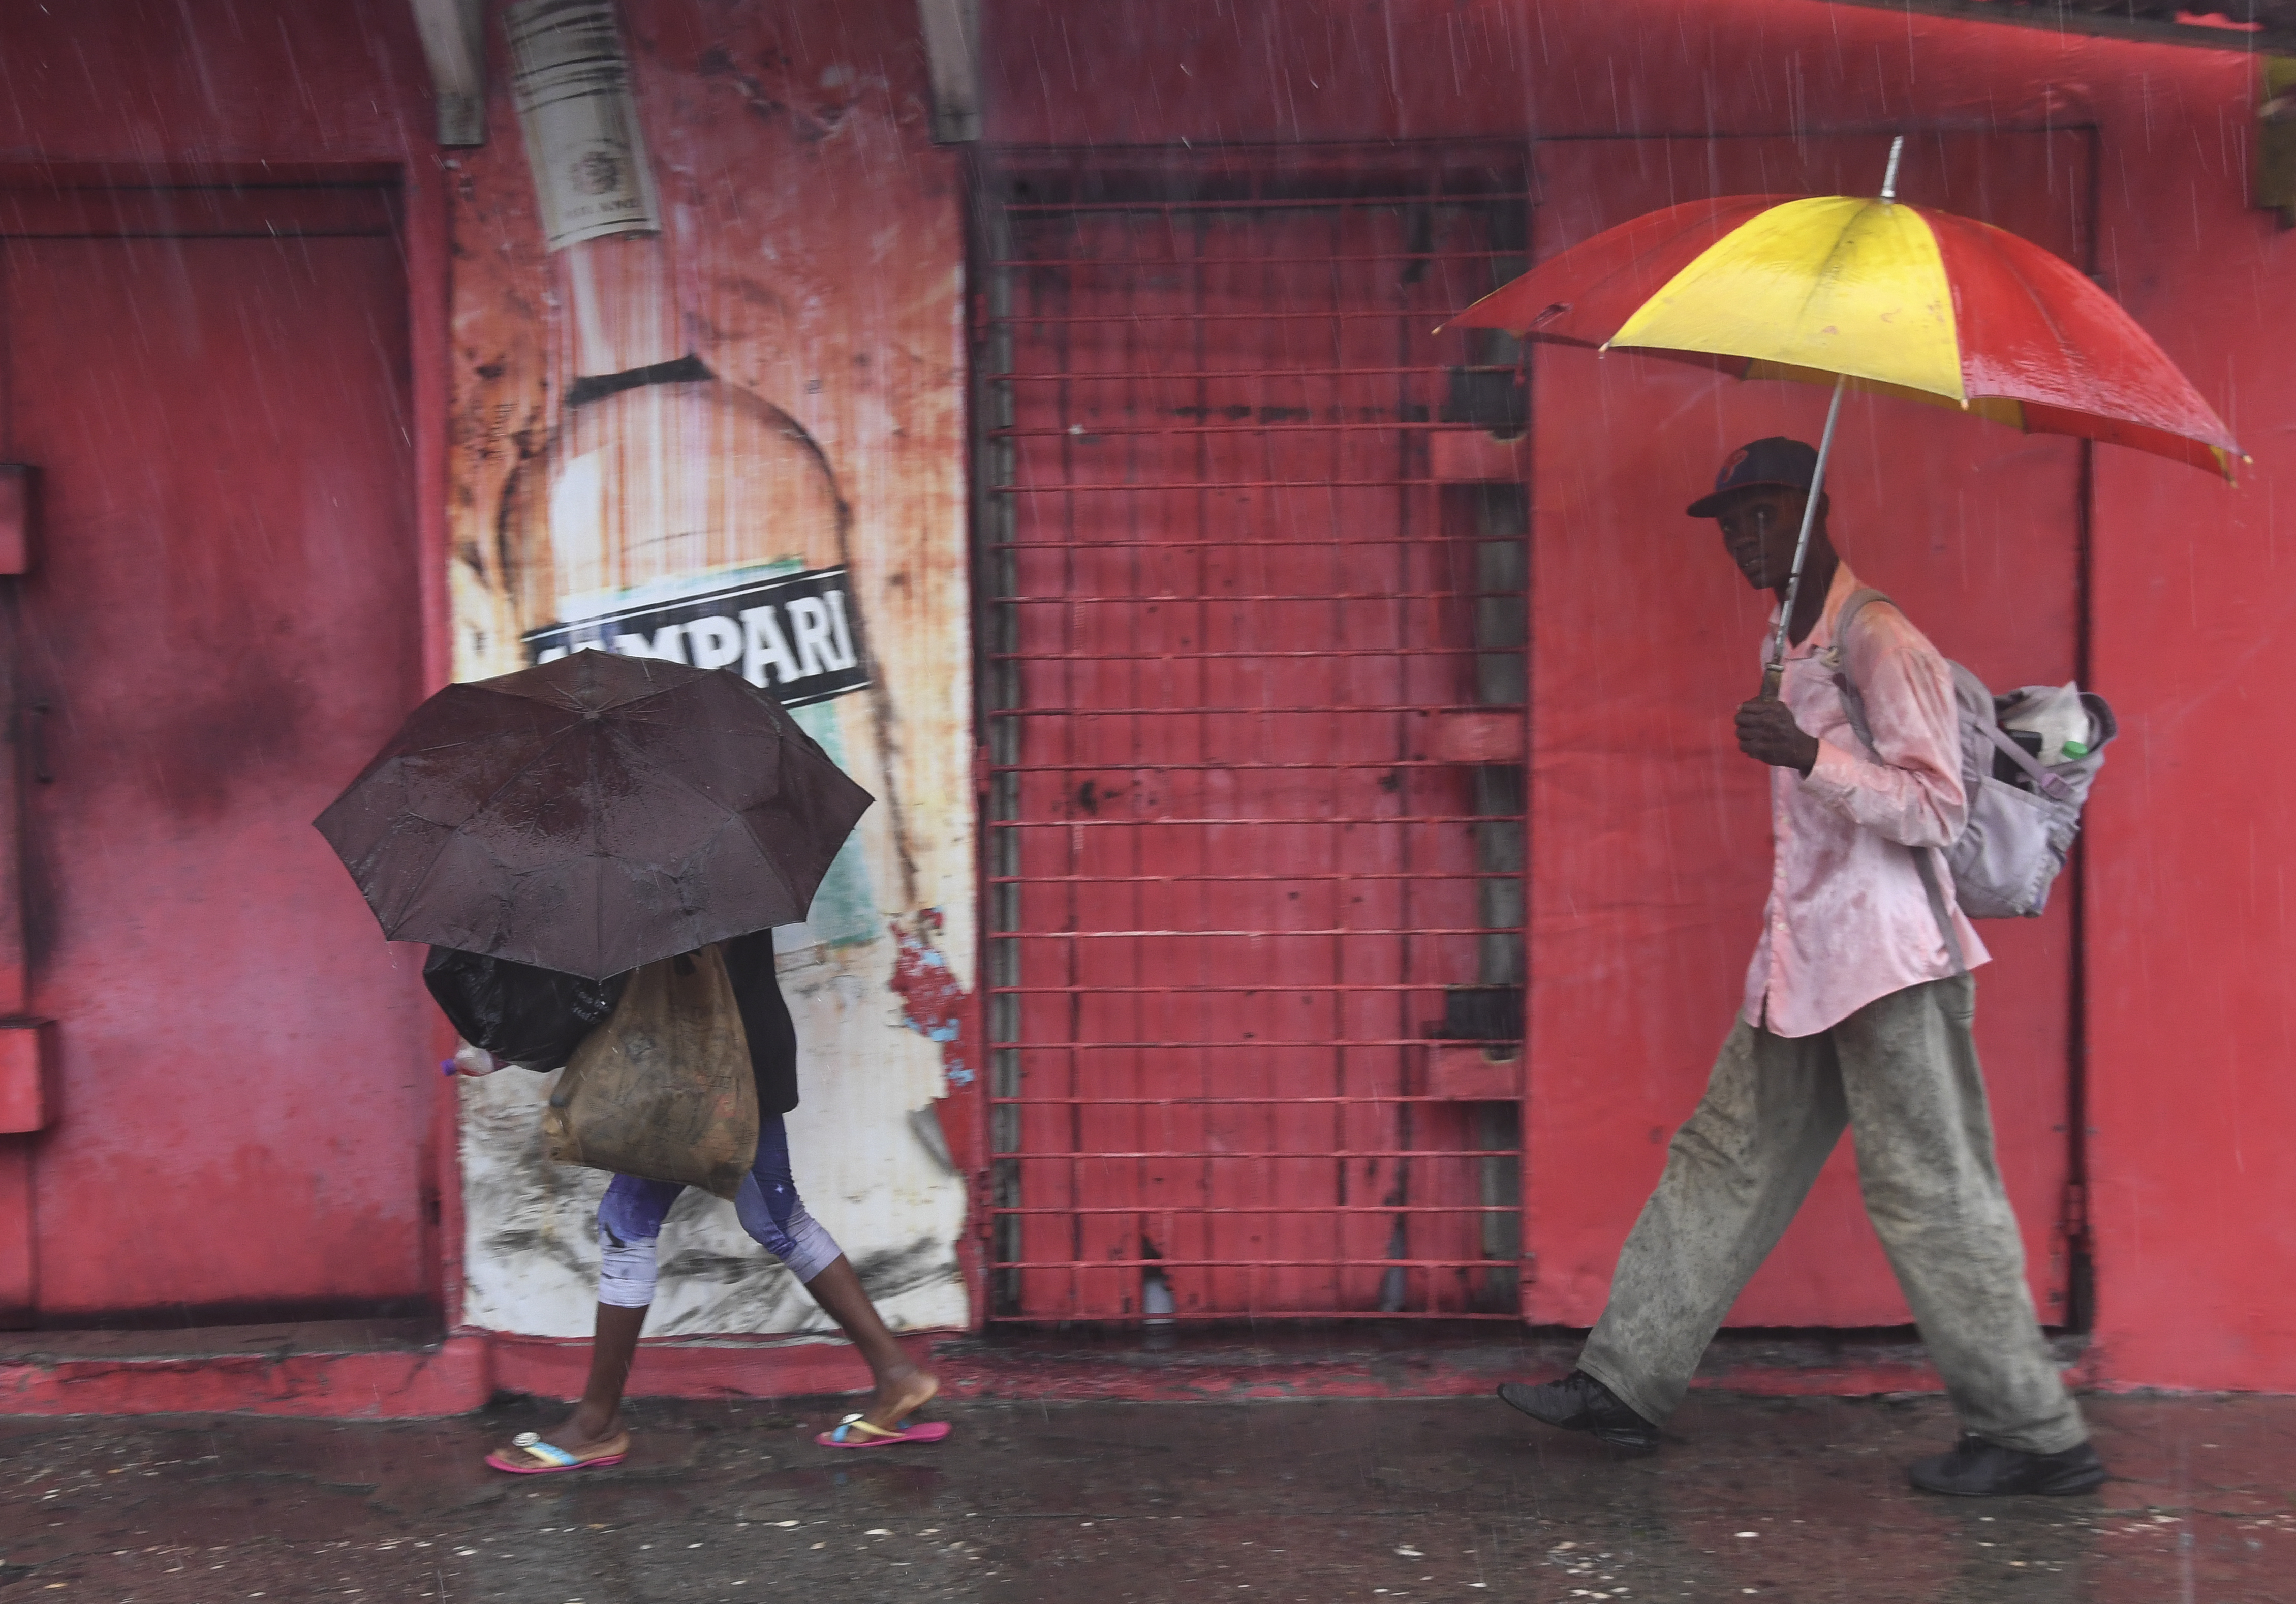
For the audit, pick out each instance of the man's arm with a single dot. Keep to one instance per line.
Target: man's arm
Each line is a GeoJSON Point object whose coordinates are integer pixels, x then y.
{"type": "Point", "coordinates": [1913, 795]}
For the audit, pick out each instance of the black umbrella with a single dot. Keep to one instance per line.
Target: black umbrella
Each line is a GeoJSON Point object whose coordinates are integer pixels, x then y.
{"type": "Point", "coordinates": [593, 814]}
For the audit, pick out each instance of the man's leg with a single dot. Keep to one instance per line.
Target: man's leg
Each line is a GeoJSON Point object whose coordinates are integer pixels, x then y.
{"type": "Point", "coordinates": [1736, 1173]}
{"type": "Point", "coordinates": [1924, 1136]}
{"type": "Point", "coordinates": [773, 1213]}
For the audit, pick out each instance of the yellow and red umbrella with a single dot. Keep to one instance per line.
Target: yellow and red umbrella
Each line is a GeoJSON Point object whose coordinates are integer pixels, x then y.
{"type": "Point", "coordinates": [1873, 295]}
{"type": "Point", "coordinates": [1899, 298]}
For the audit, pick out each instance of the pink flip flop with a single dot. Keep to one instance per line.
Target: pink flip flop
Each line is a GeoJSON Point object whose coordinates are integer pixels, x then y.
{"type": "Point", "coordinates": [854, 1432]}
{"type": "Point", "coordinates": [546, 1459]}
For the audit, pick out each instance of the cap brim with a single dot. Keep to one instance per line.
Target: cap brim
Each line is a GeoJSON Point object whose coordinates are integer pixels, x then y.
{"type": "Point", "coordinates": [1707, 506]}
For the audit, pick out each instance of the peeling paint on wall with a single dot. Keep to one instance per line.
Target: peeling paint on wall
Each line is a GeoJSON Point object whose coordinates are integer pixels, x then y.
{"type": "Point", "coordinates": [815, 255]}
{"type": "Point", "coordinates": [934, 1003]}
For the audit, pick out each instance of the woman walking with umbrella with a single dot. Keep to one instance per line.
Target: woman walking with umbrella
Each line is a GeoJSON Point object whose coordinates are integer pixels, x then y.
{"type": "Point", "coordinates": [630, 1217]}
{"type": "Point", "coordinates": [552, 831]}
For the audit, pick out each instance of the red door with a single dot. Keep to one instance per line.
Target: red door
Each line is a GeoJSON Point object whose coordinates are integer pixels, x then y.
{"type": "Point", "coordinates": [1239, 883]}
{"type": "Point", "coordinates": [1649, 855]}
{"type": "Point", "coordinates": [220, 624]}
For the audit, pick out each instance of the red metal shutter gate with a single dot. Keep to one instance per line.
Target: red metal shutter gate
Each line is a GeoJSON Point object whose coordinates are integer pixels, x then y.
{"type": "Point", "coordinates": [1252, 561]}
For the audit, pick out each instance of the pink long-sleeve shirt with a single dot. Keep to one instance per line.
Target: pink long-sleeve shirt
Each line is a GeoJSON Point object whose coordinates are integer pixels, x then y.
{"type": "Point", "coordinates": [1848, 919]}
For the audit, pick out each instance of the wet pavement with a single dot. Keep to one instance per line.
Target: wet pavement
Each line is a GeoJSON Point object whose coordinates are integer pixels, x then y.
{"type": "Point", "coordinates": [1390, 1499]}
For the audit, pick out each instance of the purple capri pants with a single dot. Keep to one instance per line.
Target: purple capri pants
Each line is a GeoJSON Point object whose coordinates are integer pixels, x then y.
{"type": "Point", "coordinates": [631, 1213]}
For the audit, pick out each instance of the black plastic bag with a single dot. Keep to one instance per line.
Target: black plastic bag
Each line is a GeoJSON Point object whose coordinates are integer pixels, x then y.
{"type": "Point", "coordinates": [533, 1018]}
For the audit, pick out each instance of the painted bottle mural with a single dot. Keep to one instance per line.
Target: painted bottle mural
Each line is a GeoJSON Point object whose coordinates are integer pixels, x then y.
{"type": "Point", "coordinates": [672, 515]}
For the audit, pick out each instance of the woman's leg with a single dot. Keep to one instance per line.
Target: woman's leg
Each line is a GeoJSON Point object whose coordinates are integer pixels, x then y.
{"type": "Point", "coordinates": [772, 1212]}
{"type": "Point", "coordinates": [597, 1418]}
{"type": "Point", "coordinates": [629, 1223]}
{"type": "Point", "coordinates": [902, 1387]}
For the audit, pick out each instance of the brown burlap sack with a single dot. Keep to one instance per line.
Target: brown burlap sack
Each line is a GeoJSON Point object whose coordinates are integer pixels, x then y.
{"type": "Point", "coordinates": [664, 1088]}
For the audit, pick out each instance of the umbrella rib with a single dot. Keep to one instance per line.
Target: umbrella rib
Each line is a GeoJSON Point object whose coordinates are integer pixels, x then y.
{"type": "Point", "coordinates": [653, 767]}
{"type": "Point", "coordinates": [1629, 272]}
{"type": "Point", "coordinates": [1840, 246]}
{"type": "Point", "coordinates": [488, 800]}
{"type": "Point", "coordinates": [428, 868]}
{"type": "Point", "coordinates": [597, 885]}
{"type": "Point", "coordinates": [536, 746]}
{"type": "Point", "coordinates": [2025, 286]}
{"type": "Point", "coordinates": [2056, 332]}
{"type": "Point", "coordinates": [695, 790]}
{"type": "Point", "coordinates": [2075, 355]}
{"type": "Point", "coordinates": [1818, 279]}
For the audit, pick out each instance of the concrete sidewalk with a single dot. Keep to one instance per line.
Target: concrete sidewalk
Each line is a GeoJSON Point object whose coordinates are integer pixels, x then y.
{"type": "Point", "coordinates": [1800, 1499]}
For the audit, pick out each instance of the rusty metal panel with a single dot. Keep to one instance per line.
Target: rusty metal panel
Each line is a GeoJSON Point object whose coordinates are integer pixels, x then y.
{"type": "Point", "coordinates": [1244, 887]}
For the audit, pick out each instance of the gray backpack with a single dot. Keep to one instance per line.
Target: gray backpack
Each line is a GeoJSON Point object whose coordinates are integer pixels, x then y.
{"type": "Point", "coordinates": [2022, 814]}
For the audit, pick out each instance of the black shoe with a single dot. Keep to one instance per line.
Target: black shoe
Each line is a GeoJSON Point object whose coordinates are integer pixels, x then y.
{"type": "Point", "coordinates": [1977, 1469]}
{"type": "Point", "coordinates": [1580, 1403]}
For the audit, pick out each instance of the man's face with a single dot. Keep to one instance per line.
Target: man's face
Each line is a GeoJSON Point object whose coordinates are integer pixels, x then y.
{"type": "Point", "coordinates": [1759, 526]}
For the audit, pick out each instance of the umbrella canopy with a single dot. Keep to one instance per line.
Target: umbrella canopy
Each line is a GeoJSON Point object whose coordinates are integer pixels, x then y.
{"type": "Point", "coordinates": [593, 814]}
{"type": "Point", "coordinates": [1887, 297]}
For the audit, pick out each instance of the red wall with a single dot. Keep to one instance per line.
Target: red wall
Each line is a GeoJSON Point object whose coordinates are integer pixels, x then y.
{"type": "Point", "coordinates": [2188, 939]}
{"type": "Point", "coordinates": [136, 89]}
{"type": "Point", "coordinates": [152, 87]}
{"type": "Point", "coordinates": [150, 80]}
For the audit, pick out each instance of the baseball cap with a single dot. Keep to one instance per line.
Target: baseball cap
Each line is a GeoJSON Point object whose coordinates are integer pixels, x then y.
{"type": "Point", "coordinates": [1774, 461]}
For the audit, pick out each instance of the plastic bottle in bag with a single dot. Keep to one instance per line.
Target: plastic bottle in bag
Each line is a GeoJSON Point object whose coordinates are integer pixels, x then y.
{"type": "Point", "coordinates": [2060, 722]}
{"type": "Point", "coordinates": [472, 1062]}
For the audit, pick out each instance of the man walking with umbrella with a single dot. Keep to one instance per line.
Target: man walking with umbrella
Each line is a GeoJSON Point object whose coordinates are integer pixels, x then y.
{"type": "Point", "coordinates": [1857, 1010]}
{"type": "Point", "coordinates": [1859, 1001]}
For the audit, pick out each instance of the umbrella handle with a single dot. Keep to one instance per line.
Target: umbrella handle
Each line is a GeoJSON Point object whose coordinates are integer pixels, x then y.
{"type": "Point", "coordinates": [1774, 672]}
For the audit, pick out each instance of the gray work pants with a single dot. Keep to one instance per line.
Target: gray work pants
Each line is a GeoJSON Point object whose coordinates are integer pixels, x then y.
{"type": "Point", "coordinates": [1902, 1073]}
